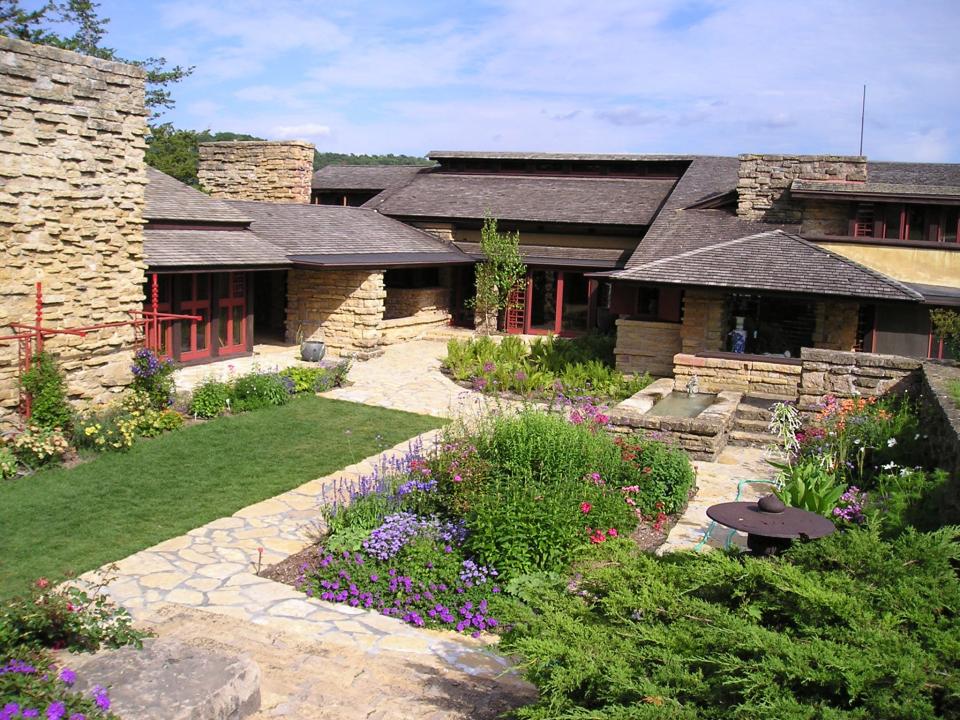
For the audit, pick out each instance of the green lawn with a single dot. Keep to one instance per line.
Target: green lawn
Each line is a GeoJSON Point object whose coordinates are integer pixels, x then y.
{"type": "Point", "coordinates": [60, 521]}
{"type": "Point", "coordinates": [954, 388]}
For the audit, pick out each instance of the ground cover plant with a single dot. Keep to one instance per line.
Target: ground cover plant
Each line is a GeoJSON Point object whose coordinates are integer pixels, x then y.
{"type": "Point", "coordinates": [954, 389]}
{"type": "Point", "coordinates": [62, 520]}
{"type": "Point", "coordinates": [454, 536]}
{"type": "Point", "coordinates": [545, 369]}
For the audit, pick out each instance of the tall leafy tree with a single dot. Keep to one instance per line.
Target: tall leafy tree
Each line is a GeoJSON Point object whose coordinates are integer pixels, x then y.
{"type": "Point", "coordinates": [176, 152]}
{"type": "Point", "coordinates": [76, 25]}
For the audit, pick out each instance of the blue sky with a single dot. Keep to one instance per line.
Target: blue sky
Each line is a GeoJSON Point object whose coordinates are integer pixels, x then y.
{"type": "Point", "coordinates": [698, 76]}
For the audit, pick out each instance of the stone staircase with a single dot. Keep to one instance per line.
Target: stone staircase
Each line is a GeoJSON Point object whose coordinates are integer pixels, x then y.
{"type": "Point", "coordinates": [751, 422]}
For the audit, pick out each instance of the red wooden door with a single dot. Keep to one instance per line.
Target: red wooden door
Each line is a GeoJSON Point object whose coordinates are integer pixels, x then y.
{"type": "Point", "coordinates": [231, 315]}
{"type": "Point", "coordinates": [515, 313]}
{"type": "Point", "coordinates": [195, 300]}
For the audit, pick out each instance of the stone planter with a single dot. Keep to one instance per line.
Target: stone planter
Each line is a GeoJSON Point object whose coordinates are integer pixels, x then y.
{"type": "Point", "coordinates": [313, 350]}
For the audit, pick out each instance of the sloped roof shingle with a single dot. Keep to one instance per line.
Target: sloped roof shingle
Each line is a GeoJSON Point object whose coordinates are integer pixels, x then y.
{"type": "Point", "coordinates": [364, 177]}
{"type": "Point", "coordinates": [168, 199]}
{"type": "Point", "coordinates": [598, 201]}
{"type": "Point", "coordinates": [165, 248]}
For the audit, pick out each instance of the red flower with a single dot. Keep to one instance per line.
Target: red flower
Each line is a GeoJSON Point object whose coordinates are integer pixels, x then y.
{"type": "Point", "coordinates": [585, 507]}
{"type": "Point", "coordinates": [42, 583]}
{"type": "Point", "coordinates": [598, 537]}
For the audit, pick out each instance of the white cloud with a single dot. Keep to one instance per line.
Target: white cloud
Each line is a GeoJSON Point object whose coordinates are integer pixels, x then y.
{"type": "Point", "coordinates": [306, 130]}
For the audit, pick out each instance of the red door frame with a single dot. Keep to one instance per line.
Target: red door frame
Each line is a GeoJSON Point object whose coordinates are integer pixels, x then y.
{"type": "Point", "coordinates": [526, 314]}
{"type": "Point", "coordinates": [229, 300]}
{"type": "Point", "coordinates": [194, 306]}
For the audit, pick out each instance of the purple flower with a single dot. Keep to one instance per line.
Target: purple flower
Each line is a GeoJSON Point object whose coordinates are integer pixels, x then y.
{"type": "Point", "coordinates": [55, 711]}
{"type": "Point", "coordinates": [68, 676]}
{"type": "Point", "coordinates": [100, 698]}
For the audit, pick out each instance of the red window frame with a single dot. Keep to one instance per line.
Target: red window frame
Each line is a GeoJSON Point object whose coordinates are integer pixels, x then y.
{"type": "Point", "coordinates": [164, 305]}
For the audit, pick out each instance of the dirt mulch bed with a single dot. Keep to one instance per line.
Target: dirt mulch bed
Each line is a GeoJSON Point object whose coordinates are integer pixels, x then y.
{"type": "Point", "coordinates": [288, 570]}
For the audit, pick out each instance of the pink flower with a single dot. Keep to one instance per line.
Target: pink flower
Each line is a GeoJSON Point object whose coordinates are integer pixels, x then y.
{"type": "Point", "coordinates": [457, 478]}
{"type": "Point", "coordinates": [612, 532]}
{"type": "Point", "coordinates": [42, 583]}
{"type": "Point", "coordinates": [585, 507]}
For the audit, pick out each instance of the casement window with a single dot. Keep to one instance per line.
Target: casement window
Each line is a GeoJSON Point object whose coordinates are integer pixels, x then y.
{"type": "Point", "coordinates": [895, 221]}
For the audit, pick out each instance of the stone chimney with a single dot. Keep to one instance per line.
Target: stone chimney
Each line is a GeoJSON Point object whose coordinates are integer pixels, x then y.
{"type": "Point", "coordinates": [273, 171]}
{"type": "Point", "coordinates": [763, 184]}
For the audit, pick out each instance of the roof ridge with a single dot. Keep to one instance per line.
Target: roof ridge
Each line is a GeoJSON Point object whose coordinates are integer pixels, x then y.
{"type": "Point", "coordinates": [701, 250]}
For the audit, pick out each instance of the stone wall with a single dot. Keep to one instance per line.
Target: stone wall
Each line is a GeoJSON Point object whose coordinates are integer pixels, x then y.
{"type": "Point", "coordinates": [746, 376]}
{"type": "Point", "coordinates": [646, 346]}
{"type": "Point", "coordinates": [853, 374]}
{"type": "Point", "coordinates": [272, 171]}
{"type": "Point", "coordinates": [821, 217]}
{"type": "Point", "coordinates": [344, 308]}
{"type": "Point", "coordinates": [764, 180]}
{"type": "Point", "coordinates": [442, 231]}
{"type": "Point", "coordinates": [703, 320]}
{"type": "Point", "coordinates": [940, 420]}
{"type": "Point", "coordinates": [71, 200]}
{"type": "Point", "coordinates": [835, 327]}
{"type": "Point", "coordinates": [411, 312]}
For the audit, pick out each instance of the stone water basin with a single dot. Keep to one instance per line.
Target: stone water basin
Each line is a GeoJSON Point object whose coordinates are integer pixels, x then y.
{"type": "Point", "coordinates": [699, 424]}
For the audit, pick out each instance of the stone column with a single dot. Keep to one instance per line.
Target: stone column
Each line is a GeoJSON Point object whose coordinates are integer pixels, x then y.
{"type": "Point", "coordinates": [272, 171]}
{"type": "Point", "coordinates": [703, 320]}
{"type": "Point", "coordinates": [836, 324]}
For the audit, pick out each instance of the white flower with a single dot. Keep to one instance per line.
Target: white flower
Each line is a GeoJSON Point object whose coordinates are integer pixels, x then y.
{"type": "Point", "coordinates": [904, 472]}
{"type": "Point", "coordinates": [891, 442]}
{"type": "Point", "coordinates": [890, 465]}
{"type": "Point", "coordinates": [856, 441]}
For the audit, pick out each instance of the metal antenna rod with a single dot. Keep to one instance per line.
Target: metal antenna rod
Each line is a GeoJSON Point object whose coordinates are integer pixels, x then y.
{"type": "Point", "coordinates": [863, 112]}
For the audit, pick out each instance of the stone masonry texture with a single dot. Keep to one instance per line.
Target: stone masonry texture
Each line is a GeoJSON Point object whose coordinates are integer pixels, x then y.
{"type": "Point", "coordinates": [344, 308]}
{"type": "Point", "coordinates": [72, 179]}
{"type": "Point", "coordinates": [763, 184]}
{"type": "Point", "coordinates": [272, 171]}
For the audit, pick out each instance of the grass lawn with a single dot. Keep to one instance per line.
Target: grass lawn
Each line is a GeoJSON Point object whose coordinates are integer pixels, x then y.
{"type": "Point", "coordinates": [61, 521]}
{"type": "Point", "coordinates": [954, 388]}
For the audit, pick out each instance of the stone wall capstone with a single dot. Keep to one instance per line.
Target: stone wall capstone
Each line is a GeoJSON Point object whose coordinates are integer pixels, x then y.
{"type": "Point", "coordinates": [344, 308]}
{"type": "Point", "coordinates": [853, 374]}
{"type": "Point", "coordinates": [72, 165]}
{"type": "Point", "coordinates": [272, 171]}
{"type": "Point", "coordinates": [763, 184]}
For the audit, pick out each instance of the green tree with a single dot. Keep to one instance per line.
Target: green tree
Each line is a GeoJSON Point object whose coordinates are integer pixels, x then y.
{"type": "Point", "coordinates": [331, 158]}
{"type": "Point", "coordinates": [499, 274]}
{"type": "Point", "coordinates": [946, 323]}
{"type": "Point", "coordinates": [75, 25]}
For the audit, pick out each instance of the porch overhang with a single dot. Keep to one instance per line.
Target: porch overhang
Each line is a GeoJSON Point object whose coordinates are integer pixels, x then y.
{"type": "Point", "coordinates": [384, 260]}
{"type": "Point", "coordinates": [937, 294]}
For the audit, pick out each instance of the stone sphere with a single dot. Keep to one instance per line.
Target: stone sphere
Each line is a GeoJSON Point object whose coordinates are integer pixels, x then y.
{"type": "Point", "coordinates": [771, 504]}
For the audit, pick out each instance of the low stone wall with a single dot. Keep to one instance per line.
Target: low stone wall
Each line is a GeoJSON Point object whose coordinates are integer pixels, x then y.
{"type": "Point", "coordinates": [746, 376]}
{"type": "Point", "coordinates": [344, 308]}
{"type": "Point", "coordinates": [703, 437]}
{"type": "Point", "coordinates": [72, 178]}
{"type": "Point", "coordinates": [646, 346]}
{"type": "Point", "coordinates": [853, 374]}
{"type": "Point", "coordinates": [407, 302]}
{"type": "Point", "coordinates": [940, 420]}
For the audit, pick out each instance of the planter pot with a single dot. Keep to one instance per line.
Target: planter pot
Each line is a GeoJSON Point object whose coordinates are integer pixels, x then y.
{"type": "Point", "coordinates": [312, 350]}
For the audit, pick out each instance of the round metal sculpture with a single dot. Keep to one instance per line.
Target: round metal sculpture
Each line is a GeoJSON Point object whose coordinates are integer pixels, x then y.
{"type": "Point", "coordinates": [770, 525]}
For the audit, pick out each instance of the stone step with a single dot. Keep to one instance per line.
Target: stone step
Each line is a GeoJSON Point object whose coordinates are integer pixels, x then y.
{"type": "Point", "coordinates": [745, 438]}
{"type": "Point", "coordinates": [751, 425]}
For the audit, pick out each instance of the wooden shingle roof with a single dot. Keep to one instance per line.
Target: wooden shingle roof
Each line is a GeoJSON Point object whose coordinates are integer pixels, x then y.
{"type": "Point", "coordinates": [364, 177]}
{"type": "Point", "coordinates": [171, 247]}
{"type": "Point", "coordinates": [168, 199]}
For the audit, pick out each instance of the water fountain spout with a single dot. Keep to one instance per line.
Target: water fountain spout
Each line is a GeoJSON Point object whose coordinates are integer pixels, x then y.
{"type": "Point", "coordinates": [693, 385]}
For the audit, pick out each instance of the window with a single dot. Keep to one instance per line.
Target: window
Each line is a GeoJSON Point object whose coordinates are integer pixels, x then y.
{"type": "Point", "coordinates": [863, 220]}
{"type": "Point", "coordinates": [917, 223]}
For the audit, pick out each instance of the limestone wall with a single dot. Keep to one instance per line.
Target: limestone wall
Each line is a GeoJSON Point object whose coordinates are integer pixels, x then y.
{"type": "Point", "coordinates": [272, 171]}
{"type": "Point", "coordinates": [71, 200]}
{"type": "Point", "coordinates": [853, 374]}
{"type": "Point", "coordinates": [822, 217]}
{"type": "Point", "coordinates": [835, 327]}
{"type": "Point", "coordinates": [703, 321]}
{"type": "Point", "coordinates": [411, 312]}
{"type": "Point", "coordinates": [746, 376]}
{"type": "Point", "coordinates": [646, 346]}
{"type": "Point", "coordinates": [344, 308]}
{"type": "Point", "coordinates": [764, 181]}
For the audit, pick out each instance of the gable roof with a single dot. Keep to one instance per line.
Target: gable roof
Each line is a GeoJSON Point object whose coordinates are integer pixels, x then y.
{"type": "Point", "coordinates": [772, 260]}
{"type": "Point", "coordinates": [303, 232]}
{"type": "Point", "coordinates": [168, 248]}
{"type": "Point", "coordinates": [577, 200]}
{"type": "Point", "coordinates": [168, 199]}
{"type": "Point", "coordinates": [364, 177]}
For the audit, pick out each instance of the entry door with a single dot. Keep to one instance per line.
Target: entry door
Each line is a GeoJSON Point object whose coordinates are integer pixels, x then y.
{"type": "Point", "coordinates": [194, 299]}
{"type": "Point", "coordinates": [231, 314]}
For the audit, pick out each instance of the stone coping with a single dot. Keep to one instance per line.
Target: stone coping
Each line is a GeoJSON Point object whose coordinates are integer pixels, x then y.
{"type": "Point", "coordinates": [859, 359]}
{"type": "Point", "coordinates": [748, 362]}
{"type": "Point", "coordinates": [70, 57]}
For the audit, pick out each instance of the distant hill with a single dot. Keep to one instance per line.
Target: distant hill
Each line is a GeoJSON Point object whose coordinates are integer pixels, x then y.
{"type": "Point", "coordinates": [323, 159]}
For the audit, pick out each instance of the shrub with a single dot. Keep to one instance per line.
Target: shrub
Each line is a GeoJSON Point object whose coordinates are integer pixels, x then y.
{"type": "Point", "coordinates": [661, 473]}
{"type": "Point", "coordinates": [259, 390]}
{"type": "Point", "coordinates": [37, 446]}
{"type": "Point", "coordinates": [316, 379]}
{"type": "Point", "coordinates": [946, 323]}
{"type": "Point", "coordinates": [65, 617]}
{"type": "Point", "coordinates": [106, 431]}
{"type": "Point", "coordinates": [807, 485]}
{"type": "Point", "coordinates": [153, 377]}
{"type": "Point", "coordinates": [851, 626]}
{"type": "Point", "coordinates": [954, 389]}
{"type": "Point", "coordinates": [49, 408]}
{"type": "Point", "coordinates": [31, 686]}
{"type": "Point", "coordinates": [210, 398]}
{"type": "Point", "coordinates": [8, 463]}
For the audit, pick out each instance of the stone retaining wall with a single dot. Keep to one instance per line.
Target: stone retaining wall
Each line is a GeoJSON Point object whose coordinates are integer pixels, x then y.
{"type": "Point", "coordinates": [853, 374]}
{"type": "Point", "coordinates": [763, 184]}
{"type": "Point", "coordinates": [344, 308]}
{"type": "Point", "coordinates": [746, 376]}
{"type": "Point", "coordinates": [411, 312]}
{"type": "Point", "coordinates": [940, 420]}
{"type": "Point", "coordinates": [72, 133]}
{"type": "Point", "coordinates": [272, 171]}
{"type": "Point", "coordinates": [646, 346]}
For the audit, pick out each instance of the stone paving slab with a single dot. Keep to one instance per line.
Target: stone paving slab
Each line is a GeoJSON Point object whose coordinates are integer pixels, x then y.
{"type": "Point", "coordinates": [717, 483]}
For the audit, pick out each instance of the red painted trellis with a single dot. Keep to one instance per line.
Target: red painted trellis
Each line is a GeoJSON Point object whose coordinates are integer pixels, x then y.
{"type": "Point", "coordinates": [30, 337]}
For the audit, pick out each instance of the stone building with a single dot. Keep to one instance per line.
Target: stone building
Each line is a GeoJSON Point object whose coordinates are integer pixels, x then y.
{"type": "Point", "coordinates": [72, 178]}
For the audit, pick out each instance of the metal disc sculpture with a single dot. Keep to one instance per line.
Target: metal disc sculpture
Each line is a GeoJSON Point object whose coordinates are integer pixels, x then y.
{"type": "Point", "coordinates": [770, 525]}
